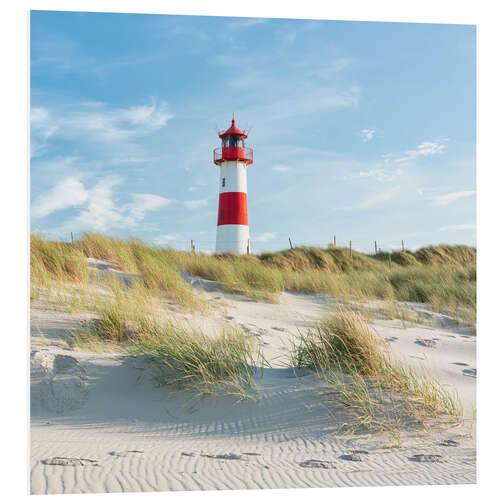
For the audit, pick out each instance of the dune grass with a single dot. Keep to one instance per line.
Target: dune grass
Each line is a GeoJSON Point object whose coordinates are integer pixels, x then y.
{"type": "Point", "coordinates": [443, 276]}
{"type": "Point", "coordinates": [55, 262]}
{"type": "Point", "coordinates": [189, 360]}
{"type": "Point", "coordinates": [378, 390]}
{"type": "Point", "coordinates": [130, 319]}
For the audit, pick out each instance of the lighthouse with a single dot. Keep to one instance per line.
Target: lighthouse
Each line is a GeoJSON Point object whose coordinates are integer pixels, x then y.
{"type": "Point", "coordinates": [233, 158]}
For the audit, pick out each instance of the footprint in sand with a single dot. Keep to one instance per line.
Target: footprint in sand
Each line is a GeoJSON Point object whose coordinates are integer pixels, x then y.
{"type": "Point", "coordinates": [459, 363]}
{"type": "Point", "coordinates": [354, 456]}
{"type": "Point", "coordinates": [317, 464]}
{"type": "Point", "coordinates": [449, 442]}
{"type": "Point", "coordinates": [428, 458]}
{"type": "Point", "coordinates": [224, 456]}
{"type": "Point", "coordinates": [71, 461]}
{"type": "Point", "coordinates": [123, 453]}
{"type": "Point", "coordinates": [391, 339]}
{"type": "Point", "coordinates": [426, 342]}
{"type": "Point", "coordinates": [469, 372]}
{"type": "Point", "coordinates": [278, 328]}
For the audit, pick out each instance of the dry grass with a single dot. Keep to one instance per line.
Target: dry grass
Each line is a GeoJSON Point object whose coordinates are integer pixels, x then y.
{"type": "Point", "coordinates": [130, 319]}
{"type": "Point", "coordinates": [378, 391]}
{"type": "Point", "coordinates": [443, 276]}
{"type": "Point", "coordinates": [87, 341]}
{"type": "Point", "coordinates": [189, 360]}
{"type": "Point", "coordinates": [54, 262]}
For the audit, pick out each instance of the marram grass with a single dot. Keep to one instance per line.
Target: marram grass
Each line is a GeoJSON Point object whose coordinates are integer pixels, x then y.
{"type": "Point", "coordinates": [378, 390]}
{"type": "Point", "coordinates": [443, 276]}
{"type": "Point", "coordinates": [192, 361]}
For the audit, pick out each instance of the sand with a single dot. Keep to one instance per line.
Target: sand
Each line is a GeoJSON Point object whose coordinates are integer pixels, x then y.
{"type": "Point", "coordinates": [98, 423]}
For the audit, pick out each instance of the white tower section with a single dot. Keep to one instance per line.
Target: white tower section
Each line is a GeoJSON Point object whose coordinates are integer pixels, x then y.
{"type": "Point", "coordinates": [233, 237]}
{"type": "Point", "coordinates": [233, 158]}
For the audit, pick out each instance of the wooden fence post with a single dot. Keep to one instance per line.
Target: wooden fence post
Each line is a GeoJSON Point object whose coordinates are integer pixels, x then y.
{"type": "Point", "coordinates": [290, 241]}
{"type": "Point", "coordinates": [72, 241]}
{"type": "Point", "coordinates": [192, 247]}
{"type": "Point", "coordinates": [350, 248]}
{"type": "Point", "coordinates": [390, 261]}
{"type": "Point", "coordinates": [334, 240]}
{"type": "Point", "coordinates": [248, 246]}
{"type": "Point", "coordinates": [402, 245]}
{"type": "Point", "coordinates": [375, 247]}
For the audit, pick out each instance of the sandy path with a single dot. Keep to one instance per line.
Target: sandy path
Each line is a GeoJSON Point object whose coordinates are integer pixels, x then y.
{"type": "Point", "coordinates": [149, 439]}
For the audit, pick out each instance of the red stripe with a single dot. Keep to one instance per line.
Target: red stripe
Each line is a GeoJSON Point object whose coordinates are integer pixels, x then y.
{"type": "Point", "coordinates": [232, 209]}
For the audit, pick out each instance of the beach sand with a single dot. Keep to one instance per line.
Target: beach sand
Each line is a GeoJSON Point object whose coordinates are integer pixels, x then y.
{"type": "Point", "coordinates": [99, 424]}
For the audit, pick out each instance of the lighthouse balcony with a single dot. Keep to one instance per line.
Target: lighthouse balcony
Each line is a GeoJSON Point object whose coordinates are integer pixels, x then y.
{"type": "Point", "coordinates": [232, 154]}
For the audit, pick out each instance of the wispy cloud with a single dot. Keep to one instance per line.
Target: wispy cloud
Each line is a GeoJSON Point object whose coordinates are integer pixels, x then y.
{"type": "Point", "coordinates": [446, 199]}
{"type": "Point", "coordinates": [280, 168]}
{"type": "Point", "coordinates": [192, 204]}
{"type": "Point", "coordinates": [458, 227]}
{"type": "Point", "coordinates": [98, 124]}
{"type": "Point", "coordinates": [142, 203]}
{"type": "Point", "coordinates": [367, 134]}
{"type": "Point", "coordinates": [246, 23]}
{"type": "Point", "coordinates": [427, 148]}
{"type": "Point", "coordinates": [379, 174]}
{"type": "Point", "coordinates": [371, 201]}
{"type": "Point", "coordinates": [166, 239]}
{"type": "Point", "coordinates": [42, 128]}
{"type": "Point", "coordinates": [264, 237]}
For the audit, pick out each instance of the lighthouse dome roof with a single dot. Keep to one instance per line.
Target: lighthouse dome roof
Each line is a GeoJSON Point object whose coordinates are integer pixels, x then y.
{"type": "Point", "coordinates": [233, 130]}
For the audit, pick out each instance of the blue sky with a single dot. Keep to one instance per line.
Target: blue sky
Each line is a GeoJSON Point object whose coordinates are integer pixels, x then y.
{"type": "Point", "coordinates": [360, 130]}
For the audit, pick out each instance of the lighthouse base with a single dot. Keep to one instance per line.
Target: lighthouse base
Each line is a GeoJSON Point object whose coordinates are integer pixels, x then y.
{"type": "Point", "coordinates": [233, 238]}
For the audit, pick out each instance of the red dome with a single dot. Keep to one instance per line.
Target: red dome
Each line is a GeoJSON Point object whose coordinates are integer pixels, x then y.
{"type": "Point", "coordinates": [233, 130]}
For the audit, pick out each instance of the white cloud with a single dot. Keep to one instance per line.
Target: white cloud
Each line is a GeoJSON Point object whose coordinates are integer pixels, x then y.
{"type": "Point", "coordinates": [379, 174]}
{"type": "Point", "coordinates": [446, 199]}
{"type": "Point", "coordinates": [67, 193]}
{"type": "Point", "coordinates": [98, 124]}
{"type": "Point", "coordinates": [458, 227]}
{"type": "Point", "coordinates": [42, 128]}
{"type": "Point", "coordinates": [98, 209]}
{"type": "Point", "coordinates": [151, 117]}
{"type": "Point", "coordinates": [280, 168]}
{"type": "Point", "coordinates": [371, 201]}
{"type": "Point", "coordinates": [166, 239]}
{"type": "Point", "coordinates": [191, 204]}
{"type": "Point", "coordinates": [246, 23]}
{"type": "Point", "coordinates": [143, 203]}
{"type": "Point", "coordinates": [101, 213]}
{"type": "Point", "coordinates": [367, 134]}
{"type": "Point", "coordinates": [427, 148]}
{"type": "Point", "coordinates": [264, 237]}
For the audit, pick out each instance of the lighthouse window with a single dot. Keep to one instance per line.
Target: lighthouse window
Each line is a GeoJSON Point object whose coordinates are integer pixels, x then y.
{"type": "Point", "coordinates": [223, 182]}
{"type": "Point", "coordinates": [233, 141]}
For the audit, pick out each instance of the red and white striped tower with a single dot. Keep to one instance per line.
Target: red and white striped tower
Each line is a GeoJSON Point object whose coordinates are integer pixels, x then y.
{"type": "Point", "coordinates": [233, 158]}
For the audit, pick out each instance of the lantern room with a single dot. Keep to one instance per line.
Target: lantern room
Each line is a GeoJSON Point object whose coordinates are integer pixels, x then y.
{"type": "Point", "coordinates": [233, 146]}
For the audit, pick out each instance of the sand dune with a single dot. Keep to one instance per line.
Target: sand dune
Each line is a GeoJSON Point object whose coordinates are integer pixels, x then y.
{"type": "Point", "coordinates": [100, 425]}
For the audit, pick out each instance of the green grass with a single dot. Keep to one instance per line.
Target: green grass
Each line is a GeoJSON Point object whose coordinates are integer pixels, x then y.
{"type": "Point", "coordinates": [377, 390]}
{"type": "Point", "coordinates": [443, 276]}
{"type": "Point", "coordinates": [189, 360]}
{"type": "Point", "coordinates": [53, 261]}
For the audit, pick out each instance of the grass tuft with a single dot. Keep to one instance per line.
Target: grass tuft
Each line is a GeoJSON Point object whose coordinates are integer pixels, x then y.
{"type": "Point", "coordinates": [189, 360]}
{"type": "Point", "coordinates": [378, 390]}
